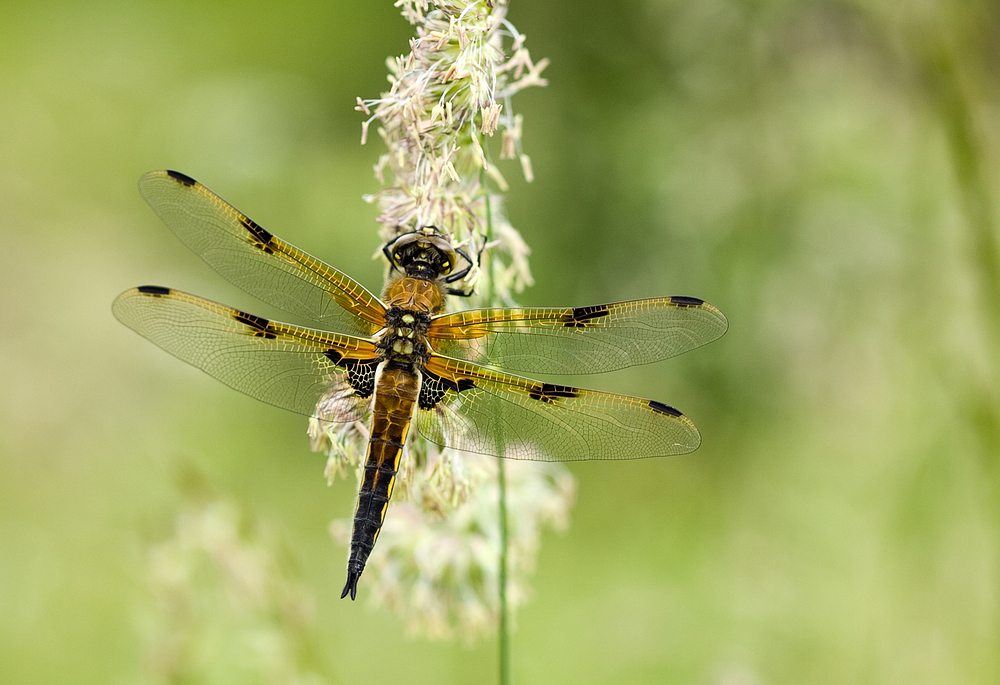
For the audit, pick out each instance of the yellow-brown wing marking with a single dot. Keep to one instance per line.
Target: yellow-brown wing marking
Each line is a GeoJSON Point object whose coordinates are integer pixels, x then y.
{"type": "Point", "coordinates": [307, 371]}
{"type": "Point", "coordinates": [578, 340]}
{"type": "Point", "coordinates": [468, 407]}
{"type": "Point", "coordinates": [257, 261]}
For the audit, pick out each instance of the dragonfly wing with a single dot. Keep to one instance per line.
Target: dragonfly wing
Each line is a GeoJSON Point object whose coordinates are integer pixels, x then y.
{"type": "Point", "coordinates": [255, 260]}
{"type": "Point", "coordinates": [311, 372]}
{"type": "Point", "coordinates": [471, 408]}
{"type": "Point", "coordinates": [578, 340]}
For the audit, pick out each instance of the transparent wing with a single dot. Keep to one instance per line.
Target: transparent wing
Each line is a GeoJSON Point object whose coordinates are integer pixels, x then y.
{"type": "Point", "coordinates": [467, 407]}
{"type": "Point", "coordinates": [310, 372]}
{"type": "Point", "coordinates": [255, 260]}
{"type": "Point", "coordinates": [578, 340]}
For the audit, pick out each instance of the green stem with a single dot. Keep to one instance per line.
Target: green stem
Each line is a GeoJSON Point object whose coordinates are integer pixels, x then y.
{"type": "Point", "coordinates": [957, 115]}
{"type": "Point", "coordinates": [972, 172]}
{"type": "Point", "coordinates": [504, 628]}
{"type": "Point", "coordinates": [501, 481]}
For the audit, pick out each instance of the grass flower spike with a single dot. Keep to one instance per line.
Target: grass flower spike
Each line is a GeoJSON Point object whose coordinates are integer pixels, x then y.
{"type": "Point", "coordinates": [437, 558]}
{"type": "Point", "coordinates": [225, 601]}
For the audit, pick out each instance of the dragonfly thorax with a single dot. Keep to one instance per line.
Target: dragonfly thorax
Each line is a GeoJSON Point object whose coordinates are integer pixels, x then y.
{"type": "Point", "coordinates": [418, 295]}
{"type": "Point", "coordinates": [403, 339]}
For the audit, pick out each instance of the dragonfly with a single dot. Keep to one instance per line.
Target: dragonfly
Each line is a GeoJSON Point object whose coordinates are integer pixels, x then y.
{"type": "Point", "coordinates": [400, 360]}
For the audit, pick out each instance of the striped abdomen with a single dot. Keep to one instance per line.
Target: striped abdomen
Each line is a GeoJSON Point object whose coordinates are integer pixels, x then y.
{"type": "Point", "coordinates": [396, 392]}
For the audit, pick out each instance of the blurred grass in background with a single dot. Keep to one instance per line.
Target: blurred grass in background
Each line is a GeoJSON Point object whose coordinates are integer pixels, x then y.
{"type": "Point", "coordinates": [824, 172]}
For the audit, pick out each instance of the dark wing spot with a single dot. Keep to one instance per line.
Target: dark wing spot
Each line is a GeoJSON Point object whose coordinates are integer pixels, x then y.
{"type": "Point", "coordinates": [260, 325]}
{"type": "Point", "coordinates": [153, 290]}
{"type": "Point", "coordinates": [685, 301]}
{"type": "Point", "coordinates": [183, 178]}
{"type": "Point", "coordinates": [663, 408]}
{"type": "Point", "coordinates": [262, 237]}
{"type": "Point", "coordinates": [433, 388]}
{"type": "Point", "coordinates": [546, 392]}
{"type": "Point", "coordinates": [579, 317]}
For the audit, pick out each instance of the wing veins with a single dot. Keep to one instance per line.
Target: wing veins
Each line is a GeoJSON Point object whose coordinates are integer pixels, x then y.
{"type": "Point", "coordinates": [283, 365]}
{"type": "Point", "coordinates": [580, 340]}
{"type": "Point", "coordinates": [257, 261]}
{"type": "Point", "coordinates": [527, 419]}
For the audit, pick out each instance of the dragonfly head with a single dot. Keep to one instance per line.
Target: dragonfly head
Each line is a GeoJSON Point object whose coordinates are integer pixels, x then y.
{"type": "Point", "coordinates": [422, 254]}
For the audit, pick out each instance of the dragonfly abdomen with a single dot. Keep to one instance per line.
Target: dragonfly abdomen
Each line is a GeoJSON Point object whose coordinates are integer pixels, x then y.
{"type": "Point", "coordinates": [396, 391]}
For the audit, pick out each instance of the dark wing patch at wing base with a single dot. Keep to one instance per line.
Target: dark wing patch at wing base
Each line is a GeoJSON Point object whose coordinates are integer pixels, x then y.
{"type": "Point", "coordinates": [361, 376]}
{"type": "Point", "coordinates": [360, 373]}
{"type": "Point", "coordinates": [434, 387]}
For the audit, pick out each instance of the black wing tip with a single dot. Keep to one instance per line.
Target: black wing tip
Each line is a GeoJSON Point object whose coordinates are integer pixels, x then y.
{"type": "Point", "coordinates": [183, 178]}
{"type": "Point", "coordinates": [352, 585]}
{"type": "Point", "coordinates": [686, 301]}
{"type": "Point", "coordinates": [664, 408]}
{"type": "Point", "coordinates": [153, 290]}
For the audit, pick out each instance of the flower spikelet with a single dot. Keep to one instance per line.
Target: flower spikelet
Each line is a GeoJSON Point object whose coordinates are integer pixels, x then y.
{"type": "Point", "coordinates": [447, 97]}
{"type": "Point", "coordinates": [219, 589]}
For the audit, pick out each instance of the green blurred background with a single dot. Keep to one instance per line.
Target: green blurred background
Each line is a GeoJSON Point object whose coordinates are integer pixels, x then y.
{"type": "Point", "coordinates": [824, 172]}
